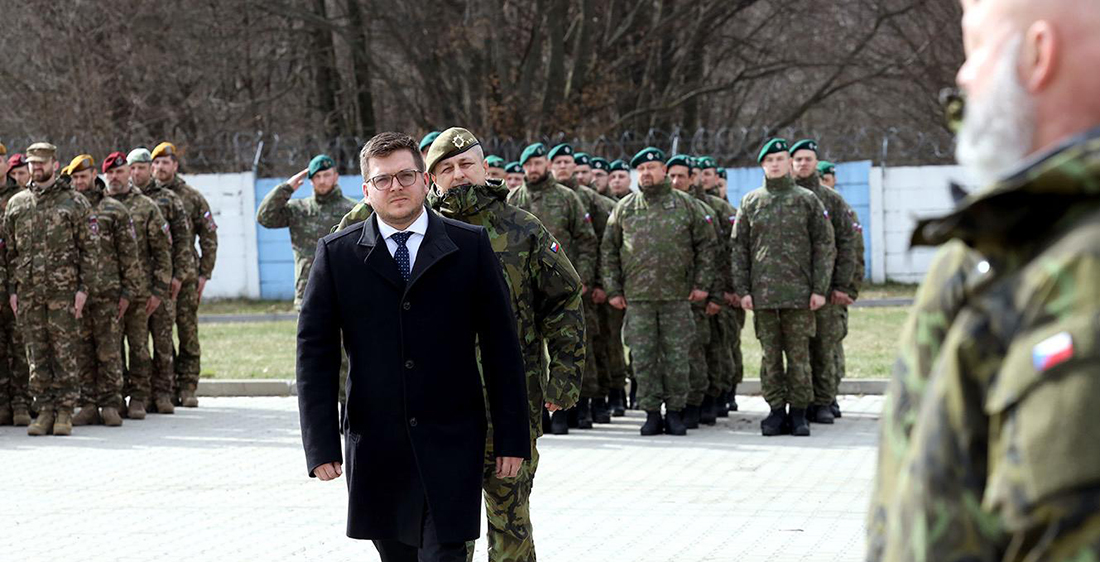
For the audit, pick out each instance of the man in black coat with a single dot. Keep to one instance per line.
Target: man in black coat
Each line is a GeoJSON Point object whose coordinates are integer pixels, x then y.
{"type": "Point", "coordinates": [411, 295]}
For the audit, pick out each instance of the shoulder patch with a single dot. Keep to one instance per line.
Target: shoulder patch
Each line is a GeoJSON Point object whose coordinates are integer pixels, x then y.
{"type": "Point", "coordinates": [554, 247]}
{"type": "Point", "coordinates": [587, 217]}
{"type": "Point", "coordinates": [167, 232]}
{"type": "Point", "coordinates": [1052, 351]}
{"type": "Point", "coordinates": [709, 219]}
{"type": "Point", "coordinates": [210, 224]}
{"type": "Point", "coordinates": [93, 224]}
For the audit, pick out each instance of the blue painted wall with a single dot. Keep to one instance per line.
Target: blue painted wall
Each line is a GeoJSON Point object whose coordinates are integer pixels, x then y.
{"type": "Point", "coordinates": [852, 182]}
{"type": "Point", "coordinates": [276, 257]}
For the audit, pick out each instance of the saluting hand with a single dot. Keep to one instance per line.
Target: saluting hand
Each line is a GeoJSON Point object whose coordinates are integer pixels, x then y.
{"type": "Point", "coordinates": [298, 179]}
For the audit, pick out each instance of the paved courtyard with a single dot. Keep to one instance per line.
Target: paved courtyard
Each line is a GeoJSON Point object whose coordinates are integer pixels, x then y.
{"type": "Point", "coordinates": [227, 482]}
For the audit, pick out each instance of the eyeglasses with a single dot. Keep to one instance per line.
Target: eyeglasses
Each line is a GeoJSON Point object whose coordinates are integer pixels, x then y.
{"type": "Point", "coordinates": [383, 182]}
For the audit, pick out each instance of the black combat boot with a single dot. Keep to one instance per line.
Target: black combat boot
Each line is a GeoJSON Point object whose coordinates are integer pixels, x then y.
{"type": "Point", "coordinates": [835, 407]}
{"type": "Point", "coordinates": [674, 423]}
{"type": "Point", "coordinates": [690, 417]}
{"type": "Point", "coordinates": [546, 421]}
{"type": "Point", "coordinates": [600, 413]}
{"type": "Point", "coordinates": [633, 395]}
{"type": "Point", "coordinates": [823, 414]}
{"type": "Point", "coordinates": [617, 405]}
{"type": "Point", "coordinates": [733, 399]}
{"type": "Point", "coordinates": [775, 423]}
{"type": "Point", "coordinates": [584, 413]}
{"type": "Point", "coordinates": [574, 416]}
{"type": "Point", "coordinates": [722, 405]}
{"type": "Point", "coordinates": [799, 425]}
{"type": "Point", "coordinates": [708, 412]}
{"type": "Point", "coordinates": [652, 425]}
{"type": "Point", "coordinates": [559, 423]}
{"type": "Point", "coordinates": [811, 413]}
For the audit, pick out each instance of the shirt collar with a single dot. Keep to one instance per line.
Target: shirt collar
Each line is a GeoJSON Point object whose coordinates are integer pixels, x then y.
{"type": "Point", "coordinates": [419, 226]}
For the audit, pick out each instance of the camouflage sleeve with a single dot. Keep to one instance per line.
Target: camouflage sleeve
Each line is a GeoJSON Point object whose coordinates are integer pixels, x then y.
{"type": "Point", "coordinates": [85, 247]}
{"type": "Point", "coordinates": [207, 232]}
{"type": "Point", "coordinates": [844, 234]}
{"type": "Point", "coordinates": [861, 265]}
{"type": "Point", "coordinates": [611, 265]}
{"type": "Point", "coordinates": [559, 314]}
{"type": "Point", "coordinates": [356, 215]}
{"type": "Point", "coordinates": [160, 252]}
{"type": "Point", "coordinates": [5, 274]}
{"type": "Point", "coordinates": [274, 211]}
{"type": "Point", "coordinates": [130, 269]}
{"type": "Point", "coordinates": [585, 245]}
{"type": "Point", "coordinates": [183, 257]}
{"type": "Point", "coordinates": [704, 245]}
{"type": "Point", "coordinates": [740, 253]}
{"type": "Point", "coordinates": [601, 211]}
{"type": "Point", "coordinates": [11, 257]}
{"type": "Point", "coordinates": [822, 246]}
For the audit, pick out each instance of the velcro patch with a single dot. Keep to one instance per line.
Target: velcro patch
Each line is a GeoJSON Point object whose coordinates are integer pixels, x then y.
{"type": "Point", "coordinates": [1053, 351]}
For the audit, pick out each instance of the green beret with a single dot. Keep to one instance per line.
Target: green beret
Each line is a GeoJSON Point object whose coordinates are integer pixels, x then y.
{"type": "Point", "coordinates": [681, 160]}
{"type": "Point", "coordinates": [650, 154]}
{"type": "Point", "coordinates": [320, 163]}
{"type": "Point", "coordinates": [825, 167]}
{"type": "Point", "coordinates": [771, 147]}
{"type": "Point", "coordinates": [618, 166]}
{"type": "Point", "coordinates": [449, 143]}
{"type": "Point", "coordinates": [804, 144]}
{"type": "Point", "coordinates": [562, 149]}
{"type": "Point", "coordinates": [721, 173]}
{"type": "Point", "coordinates": [704, 162]}
{"type": "Point", "coordinates": [428, 140]}
{"type": "Point", "coordinates": [513, 168]}
{"type": "Point", "coordinates": [536, 150]}
{"type": "Point", "coordinates": [582, 159]}
{"type": "Point", "coordinates": [495, 161]}
{"type": "Point", "coordinates": [600, 164]}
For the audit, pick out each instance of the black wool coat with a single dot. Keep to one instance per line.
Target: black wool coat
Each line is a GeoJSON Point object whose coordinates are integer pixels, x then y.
{"type": "Point", "coordinates": [416, 419]}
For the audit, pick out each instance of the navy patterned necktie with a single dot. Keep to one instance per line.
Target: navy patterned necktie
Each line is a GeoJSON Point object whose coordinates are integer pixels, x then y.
{"type": "Point", "coordinates": [401, 256]}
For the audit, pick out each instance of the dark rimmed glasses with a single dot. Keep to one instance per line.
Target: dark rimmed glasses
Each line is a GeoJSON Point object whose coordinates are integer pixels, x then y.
{"type": "Point", "coordinates": [406, 178]}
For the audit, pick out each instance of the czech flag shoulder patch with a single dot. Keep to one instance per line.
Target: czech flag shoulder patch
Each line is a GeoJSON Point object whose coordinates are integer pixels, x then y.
{"type": "Point", "coordinates": [554, 247]}
{"type": "Point", "coordinates": [1053, 351]}
{"type": "Point", "coordinates": [587, 217]}
{"type": "Point", "coordinates": [709, 219]}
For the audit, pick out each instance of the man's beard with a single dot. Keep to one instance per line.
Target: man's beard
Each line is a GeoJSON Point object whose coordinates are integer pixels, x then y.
{"type": "Point", "coordinates": [537, 179]}
{"type": "Point", "coordinates": [998, 129]}
{"type": "Point", "coordinates": [42, 177]}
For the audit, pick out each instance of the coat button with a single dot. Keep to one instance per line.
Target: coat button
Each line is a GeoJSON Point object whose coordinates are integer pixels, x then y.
{"type": "Point", "coordinates": [406, 306]}
{"type": "Point", "coordinates": [409, 364]}
{"type": "Point", "coordinates": [412, 422]}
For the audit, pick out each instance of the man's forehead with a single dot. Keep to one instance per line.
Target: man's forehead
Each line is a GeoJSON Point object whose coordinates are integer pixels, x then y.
{"type": "Point", "coordinates": [391, 163]}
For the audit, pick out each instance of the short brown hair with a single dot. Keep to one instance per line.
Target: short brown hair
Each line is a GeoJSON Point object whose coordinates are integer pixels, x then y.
{"type": "Point", "coordinates": [384, 144]}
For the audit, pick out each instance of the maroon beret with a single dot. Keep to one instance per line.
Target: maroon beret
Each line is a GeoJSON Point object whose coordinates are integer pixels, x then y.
{"type": "Point", "coordinates": [114, 160]}
{"type": "Point", "coordinates": [16, 160]}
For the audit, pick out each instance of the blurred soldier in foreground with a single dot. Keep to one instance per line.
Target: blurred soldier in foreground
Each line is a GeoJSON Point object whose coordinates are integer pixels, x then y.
{"type": "Point", "coordinates": [15, 397]}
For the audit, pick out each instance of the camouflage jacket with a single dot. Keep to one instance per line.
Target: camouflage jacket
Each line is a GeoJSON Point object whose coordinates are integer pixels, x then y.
{"type": "Point", "coordinates": [847, 273]}
{"type": "Point", "coordinates": [783, 247]}
{"type": "Point", "coordinates": [154, 243]}
{"type": "Point", "coordinates": [9, 189]}
{"type": "Point", "coordinates": [998, 463]}
{"type": "Point", "coordinates": [658, 246]}
{"type": "Point", "coordinates": [358, 213]}
{"type": "Point", "coordinates": [563, 214]}
{"type": "Point", "coordinates": [546, 291]}
{"type": "Point", "coordinates": [49, 246]}
{"type": "Point", "coordinates": [117, 270]}
{"type": "Point", "coordinates": [598, 208]}
{"type": "Point", "coordinates": [725, 216]}
{"type": "Point", "coordinates": [201, 222]}
{"type": "Point", "coordinates": [179, 229]}
{"type": "Point", "coordinates": [309, 220]}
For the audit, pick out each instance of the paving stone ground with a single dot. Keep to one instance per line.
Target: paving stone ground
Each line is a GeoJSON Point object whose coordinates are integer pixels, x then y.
{"type": "Point", "coordinates": [227, 482]}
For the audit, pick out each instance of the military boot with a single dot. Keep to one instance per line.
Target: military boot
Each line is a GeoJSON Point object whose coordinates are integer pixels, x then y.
{"type": "Point", "coordinates": [63, 424]}
{"type": "Point", "coordinates": [163, 405]}
{"type": "Point", "coordinates": [617, 405]}
{"type": "Point", "coordinates": [690, 417]}
{"type": "Point", "coordinates": [573, 417]}
{"type": "Point", "coordinates": [823, 414]}
{"type": "Point", "coordinates": [584, 413]}
{"type": "Point", "coordinates": [545, 421]}
{"type": "Point", "coordinates": [88, 415]}
{"type": "Point", "coordinates": [188, 399]}
{"type": "Point", "coordinates": [652, 425]}
{"type": "Point", "coordinates": [775, 423]}
{"type": "Point", "coordinates": [111, 417]}
{"type": "Point", "coordinates": [799, 425]}
{"type": "Point", "coordinates": [20, 416]}
{"type": "Point", "coordinates": [136, 411]}
{"type": "Point", "coordinates": [722, 405]}
{"type": "Point", "coordinates": [674, 423]}
{"type": "Point", "coordinates": [5, 416]}
{"type": "Point", "coordinates": [43, 424]}
{"type": "Point", "coordinates": [835, 408]}
{"type": "Point", "coordinates": [559, 423]}
{"type": "Point", "coordinates": [600, 413]}
{"type": "Point", "coordinates": [733, 399]}
{"type": "Point", "coordinates": [708, 412]}
{"type": "Point", "coordinates": [633, 395]}
{"type": "Point", "coordinates": [811, 413]}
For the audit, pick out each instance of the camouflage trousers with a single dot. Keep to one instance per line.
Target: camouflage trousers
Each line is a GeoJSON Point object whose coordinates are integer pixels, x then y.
{"type": "Point", "coordinates": [660, 334]}
{"type": "Point", "coordinates": [508, 509]}
{"type": "Point", "coordinates": [187, 326]}
{"type": "Point", "coordinates": [52, 332]}
{"type": "Point", "coordinates": [699, 378]}
{"type": "Point", "coordinates": [719, 358]}
{"type": "Point", "coordinates": [139, 364]}
{"type": "Point", "coordinates": [839, 354]}
{"type": "Point", "coordinates": [14, 374]}
{"type": "Point", "coordinates": [161, 323]}
{"type": "Point", "coordinates": [828, 335]}
{"type": "Point", "coordinates": [595, 367]}
{"type": "Point", "coordinates": [734, 319]}
{"type": "Point", "coordinates": [785, 332]}
{"type": "Point", "coordinates": [99, 357]}
{"type": "Point", "coordinates": [616, 355]}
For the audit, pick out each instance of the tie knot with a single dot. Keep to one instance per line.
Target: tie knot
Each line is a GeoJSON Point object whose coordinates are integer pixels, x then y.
{"type": "Point", "coordinates": [401, 237]}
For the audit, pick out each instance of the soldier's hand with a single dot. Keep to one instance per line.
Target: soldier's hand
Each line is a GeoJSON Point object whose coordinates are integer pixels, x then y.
{"type": "Point", "coordinates": [202, 286]}
{"type": "Point", "coordinates": [841, 298]}
{"type": "Point", "coordinates": [151, 305]}
{"type": "Point", "coordinates": [816, 301]}
{"type": "Point", "coordinates": [697, 295]}
{"type": "Point", "coordinates": [78, 303]}
{"type": "Point", "coordinates": [14, 302]}
{"type": "Point", "coordinates": [552, 407]}
{"type": "Point", "coordinates": [746, 302]}
{"type": "Point", "coordinates": [618, 302]}
{"type": "Point", "coordinates": [584, 289]}
{"type": "Point", "coordinates": [298, 179]}
{"type": "Point", "coordinates": [599, 296]}
{"type": "Point", "coordinates": [176, 286]}
{"type": "Point", "coordinates": [328, 471]}
{"type": "Point", "coordinates": [713, 308]}
{"type": "Point", "coordinates": [508, 467]}
{"type": "Point", "coordinates": [123, 304]}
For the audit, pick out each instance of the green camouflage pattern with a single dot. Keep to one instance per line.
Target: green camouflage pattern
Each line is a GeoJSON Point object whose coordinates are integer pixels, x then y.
{"type": "Point", "coordinates": [783, 247]}
{"type": "Point", "coordinates": [117, 271]}
{"type": "Point", "coordinates": [562, 213]}
{"type": "Point", "coordinates": [154, 245]}
{"type": "Point", "coordinates": [360, 212]}
{"type": "Point", "coordinates": [309, 219]}
{"type": "Point", "coordinates": [699, 369]}
{"type": "Point", "coordinates": [14, 371]}
{"type": "Point", "coordinates": [180, 237]}
{"type": "Point", "coordinates": [785, 333]}
{"type": "Point", "coordinates": [162, 322]}
{"type": "Point", "coordinates": [52, 333]}
{"type": "Point", "coordinates": [719, 352]}
{"type": "Point", "coordinates": [200, 222]}
{"type": "Point", "coordinates": [508, 509]}
{"type": "Point", "coordinates": [985, 435]}
{"type": "Point", "coordinates": [660, 334]}
{"type": "Point", "coordinates": [99, 355]}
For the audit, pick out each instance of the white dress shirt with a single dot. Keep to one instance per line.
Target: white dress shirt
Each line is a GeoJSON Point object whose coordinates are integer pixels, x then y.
{"type": "Point", "coordinates": [419, 227]}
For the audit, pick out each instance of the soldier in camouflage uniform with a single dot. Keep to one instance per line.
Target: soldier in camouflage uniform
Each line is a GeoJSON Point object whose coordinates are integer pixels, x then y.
{"type": "Point", "coordinates": [618, 184]}
{"type": "Point", "coordinates": [201, 221]}
{"type": "Point", "coordinates": [496, 168]}
{"type": "Point", "coordinates": [601, 170]}
{"type": "Point", "coordinates": [163, 320]}
{"type": "Point", "coordinates": [309, 219]}
{"type": "Point", "coordinates": [720, 183]}
{"type": "Point", "coordinates": [546, 297]}
{"type": "Point", "coordinates": [593, 405]}
{"type": "Point", "coordinates": [783, 251]}
{"type": "Point", "coordinates": [112, 284]}
{"type": "Point", "coordinates": [154, 252]}
{"type": "Point", "coordinates": [562, 213]}
{"type": "Point", "coordinates": [846, 280]}
{"type": "Point", "coordinates": [513, 176]}
{"type": "Point", "coordinates": [985, 440]}
{"type": "Point", "coordinates": [51, 251]}
{"type": "Point", "coordinates": [658, 255]}
{"type": "Point", "coordinates": [15, 396]}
